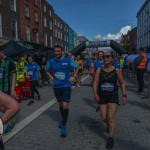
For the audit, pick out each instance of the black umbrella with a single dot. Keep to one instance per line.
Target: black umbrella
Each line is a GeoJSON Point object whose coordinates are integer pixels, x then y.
{"type": "Point", "coordinates": [13, 49]}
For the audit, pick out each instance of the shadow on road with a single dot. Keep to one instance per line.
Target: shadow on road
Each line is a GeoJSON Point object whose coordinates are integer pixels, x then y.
{"type": "Point", "coordinates": [54, 115]}
{"type": "Point", "coordinates": [90, 102]}
{"type": "Point", "coordinates": [94, 126]}
{"type": "Point", "coordinates": [148, 129]}
{"type": "Point", "coordinates": [125, 143]}
{"type": "Point", "coordinates": [86, 84]}
{"type": "Point", "coordinates": [135, 103]}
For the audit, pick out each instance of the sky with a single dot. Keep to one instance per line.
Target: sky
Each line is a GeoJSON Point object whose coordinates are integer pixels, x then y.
{"type": "Point", "coordinates": [98, 19]}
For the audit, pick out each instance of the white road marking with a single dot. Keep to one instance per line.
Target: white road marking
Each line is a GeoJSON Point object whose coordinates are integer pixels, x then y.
{"type": "Point", "coordinates": [22, 124]}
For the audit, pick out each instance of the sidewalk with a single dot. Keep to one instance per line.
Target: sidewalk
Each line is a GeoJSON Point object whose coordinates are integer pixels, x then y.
{"type": "Point", "coordinates": [85, 130]}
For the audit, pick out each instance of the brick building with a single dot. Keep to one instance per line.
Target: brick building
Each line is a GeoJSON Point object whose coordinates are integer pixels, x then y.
{"type": "Point", "coordinates": [34, 23]}
{"type": "Point", "coordinates": [47, 23]}
{"type": "Point", "coordinates": [30, 22]}
{"type": "Point", "coordinates": [129, 40]}
{"type": "Point", "coordinates": [9, 20]}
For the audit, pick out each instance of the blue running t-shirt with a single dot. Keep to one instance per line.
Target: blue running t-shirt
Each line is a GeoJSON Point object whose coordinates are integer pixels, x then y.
{"type": "Point", "coordinates": [98, 64]}
{"type": "Point", "coordinates": [33, 70]}
{"type": "Point", "coordinates": [61, 70]}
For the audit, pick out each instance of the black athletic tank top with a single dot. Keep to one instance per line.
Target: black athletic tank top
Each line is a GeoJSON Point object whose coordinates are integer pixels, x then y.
{"type": "Point", "coordinates": [108, 82]}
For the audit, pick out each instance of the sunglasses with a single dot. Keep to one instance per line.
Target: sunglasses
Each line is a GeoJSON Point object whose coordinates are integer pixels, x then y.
{"type": "Point", "coordinates": [106, 56]}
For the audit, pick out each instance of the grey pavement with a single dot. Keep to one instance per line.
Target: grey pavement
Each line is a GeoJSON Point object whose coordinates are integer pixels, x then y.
{"type": "Point", "coordinates": [85, 129]}
{"type": "Point", "coordinates": [46, 95]}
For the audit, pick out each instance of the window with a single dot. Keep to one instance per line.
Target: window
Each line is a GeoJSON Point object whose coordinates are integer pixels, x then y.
{"type": "Point", "coordinates": [36, 36]}
{"type": "Point", "coordinates": [58, 24]}
{"type": "Point", "coordinates": [14, 29]}
{"type": "Point", "coordinates": [61, 36]}
{"type": "Point", "coordinates": [61, 26]}
{"type": "Point", "coordinates": [51, 42]}
{"type": "Point", "coordinates": [50, 13]}
{"type": "Point", "coordinates": [0, 26]}
{"type": "Point", "coordinates": [55, 23]}
{"type": "Point", "coordinates": [58, 34]}
{"type": "Point", "coordinates": [13, 5]}
{"type": "Point", "coordinates": [27, 11]}
{"type": "Point", "coordinates": [28, 33]}
{"type": "Point", "coordinates": [35, 2]}
{"type": "Point", "coordinates": [36, 16]}
{"type": "Point", "coordinates": [44, 8]}
{"type": "Point", "coordinates": [45, 22]}
{"type": "Point", "coordinates": [65, 38]}
{"type": "Point", "coordinates": [55, 33]}
{"type": "Point", "coordinates": [45, 37]}
{"type": "Point", "coordinates": [51, 25]}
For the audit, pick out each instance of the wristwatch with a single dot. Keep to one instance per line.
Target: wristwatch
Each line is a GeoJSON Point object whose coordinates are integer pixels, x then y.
{"type": "Point", "coordinates": [124, 95]}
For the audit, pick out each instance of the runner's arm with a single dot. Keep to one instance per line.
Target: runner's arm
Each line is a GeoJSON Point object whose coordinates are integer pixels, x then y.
{"type": "Point", "coordinates": [96, 81]}
{"type": "Point", "coordinates": [10, 105]}
{"type": "Point", "coordinates": [47, 69]}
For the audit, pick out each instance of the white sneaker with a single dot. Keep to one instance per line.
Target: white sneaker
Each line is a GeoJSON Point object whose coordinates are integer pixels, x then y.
{"type": "Point", "coordinates": [77, 85]}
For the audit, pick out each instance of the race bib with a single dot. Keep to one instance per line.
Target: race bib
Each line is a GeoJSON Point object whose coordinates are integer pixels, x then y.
{"type": "Point", "coordinates": [107, 86]}
{"type": "Point", "coordinates": [60, 75]}
{"type": "Point", "coordinates": [30, 73]}
{"type": "Point", "coordinates": [1, 73]}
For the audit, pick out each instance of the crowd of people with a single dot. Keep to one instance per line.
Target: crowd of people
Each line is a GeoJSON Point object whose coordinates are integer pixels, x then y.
{"type": "Point", "coordinates": [20, 77]}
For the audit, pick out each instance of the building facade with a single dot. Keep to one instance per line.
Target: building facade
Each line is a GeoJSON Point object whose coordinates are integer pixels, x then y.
{"type": "Point", "coordinates": [30, 22]}
{"type": "Point", "coordinates": [9, 20]}
{"type": "Point", "coordinates": [129, 40]}
{"type": "Point", "coordinates": [47, 24]}
{"type": "Point", "coordinates": [143, 26]}
{"type": "Point", "coordinates": [34, 23]}
{"type": "Point", "coordinates": [70, 39]}
{"type": "Point", "coordinates": [61, 29]}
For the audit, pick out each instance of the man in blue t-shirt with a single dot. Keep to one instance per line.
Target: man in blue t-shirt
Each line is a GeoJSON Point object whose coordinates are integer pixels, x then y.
{"type": "Point", "coordinates": [99, 63]}
{"type": "Point", "coordinates": [60, 66]}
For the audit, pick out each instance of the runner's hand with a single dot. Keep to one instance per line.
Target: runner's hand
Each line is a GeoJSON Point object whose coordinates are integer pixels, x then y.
{"type": "Point", "coordinates": [124, 100]}
{"type": "Point", "coordinates": [13, 93]}
{"type": "Point", "coordinates": [96, 98]}
{"type": "Point", "coordinates": [28, 76]}
{"type": "Point", "coordinates": [1, 127]}
{"type": "Point", "coordinates": [72, 79]}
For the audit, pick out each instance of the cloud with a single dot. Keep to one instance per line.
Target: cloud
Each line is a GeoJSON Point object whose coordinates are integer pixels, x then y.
{"type": "Point", "coordinates": [110, 36]}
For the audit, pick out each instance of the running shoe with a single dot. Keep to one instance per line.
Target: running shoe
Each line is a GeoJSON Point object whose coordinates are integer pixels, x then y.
{"type": "Point", "coordinates": [8, 129]}
{"type": "Point", "coordinates": [77, 85]}
{"type": "Point", "coordinates": [63, 130]}
{"type": "Point", "coordinates": [30, 103]}
{"type": "Point", "coordinates": [39, 97]}
{"type": "Point", "coordinates": [60, 124]}
{"type": "Point", "coordinates": [110, 143]}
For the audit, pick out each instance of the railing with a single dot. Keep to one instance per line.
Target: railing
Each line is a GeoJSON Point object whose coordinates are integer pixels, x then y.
{"type": "Point", "coordinates": [130, 75]}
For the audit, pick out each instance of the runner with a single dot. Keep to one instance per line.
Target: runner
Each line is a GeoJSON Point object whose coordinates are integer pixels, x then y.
{"type": "Point", "coordinates": [7, 82]}
{"type": "Point", "coordinates": [9, 107]}
{"type": "Point", "coordinates": [79, 74]}
{"type": "Point", "coordinates": [99, 63]}
{"type": "Point", "coordinates": [61, 66]}
{"type": "Point", "coordinates": [33, 72]}
{"type": "Point", "coordinates": [106, 94]}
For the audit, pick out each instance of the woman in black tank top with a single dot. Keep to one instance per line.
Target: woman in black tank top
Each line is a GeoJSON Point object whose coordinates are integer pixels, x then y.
{"type": "Point", "coordinates": [106, 94]}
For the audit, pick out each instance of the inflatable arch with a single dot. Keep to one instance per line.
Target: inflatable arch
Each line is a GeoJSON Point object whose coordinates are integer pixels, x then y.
{"type": "Point", "coordinates": [91, 44]}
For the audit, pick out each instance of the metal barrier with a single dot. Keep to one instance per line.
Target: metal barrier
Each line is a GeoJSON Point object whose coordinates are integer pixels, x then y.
{"type": "Point", "coordinates": [148, 88]}
{"type": "Point", "coordinates": [130, 74]}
